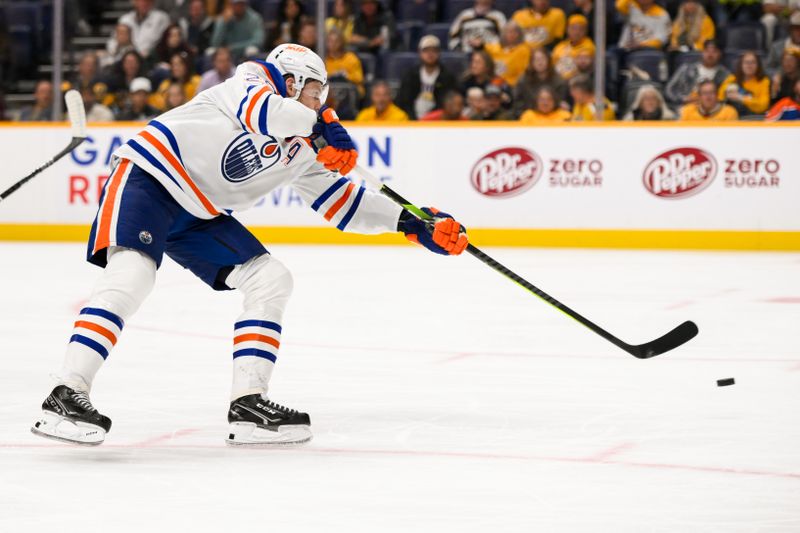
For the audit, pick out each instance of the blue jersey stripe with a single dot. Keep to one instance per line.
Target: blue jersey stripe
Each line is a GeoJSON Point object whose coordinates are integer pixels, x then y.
{"type": "Point", "coordinates": [241, 107]}
{"type": "Point", "coordinates": [255, 352]}
{"type": "Point", "coordinates": [152, 160]}
{"type": "Point", "coordinates": [94, 345]}
{"type": "Point", "coordinates": [173, 142]}
{"type": "Point", "coordinates": [352, 210]}
{"type": "Point", "coordinates": [258, 324]}
{"type": "Point", "coordinates": [262, 117]}
{"type": "Point", "coordinates": [327, 194]}
{"type": "Point", "coordinates": [277, 77]}
{"type": "Point", "coordinates": [108, 315]}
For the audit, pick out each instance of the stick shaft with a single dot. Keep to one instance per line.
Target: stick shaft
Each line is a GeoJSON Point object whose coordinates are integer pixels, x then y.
{"type": "Point", "coordinates": [72, 145]}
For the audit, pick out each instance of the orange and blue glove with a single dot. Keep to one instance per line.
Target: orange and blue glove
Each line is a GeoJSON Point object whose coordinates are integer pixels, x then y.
{"type": "Point", "coordinates": [441, 234]}
{"type": "Point", "coordinates": [340, 155]}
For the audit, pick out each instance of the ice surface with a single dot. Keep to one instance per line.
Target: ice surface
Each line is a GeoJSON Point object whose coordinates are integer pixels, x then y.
{"type": "Point", "coordinates": [442, 396]}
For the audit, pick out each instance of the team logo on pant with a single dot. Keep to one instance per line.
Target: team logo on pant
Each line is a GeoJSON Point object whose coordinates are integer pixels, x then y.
{"type": "Point", "coordinates": [146, 237]}
{"type": "Point", "coordinates": [243, 159]}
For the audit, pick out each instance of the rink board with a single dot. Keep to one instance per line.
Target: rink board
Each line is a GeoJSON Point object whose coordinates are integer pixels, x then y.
{"type": "Point", "coordinates": [617, 186]}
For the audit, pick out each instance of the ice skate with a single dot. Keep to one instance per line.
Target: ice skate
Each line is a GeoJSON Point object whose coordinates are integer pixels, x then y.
{"type": "Point", "coordinates": [256, 421]}
{"type": "Point", "coordinates": [68, 416]}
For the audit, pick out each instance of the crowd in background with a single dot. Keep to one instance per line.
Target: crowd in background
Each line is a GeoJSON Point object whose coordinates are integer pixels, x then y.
{"type": "Point", "coordinates": [534, 64]}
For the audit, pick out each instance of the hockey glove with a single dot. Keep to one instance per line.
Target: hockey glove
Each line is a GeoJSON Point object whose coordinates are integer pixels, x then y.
{"type": "Point", "coordinates": [442, 234]}
{"type": "Point", "coordinates": [340, 154]}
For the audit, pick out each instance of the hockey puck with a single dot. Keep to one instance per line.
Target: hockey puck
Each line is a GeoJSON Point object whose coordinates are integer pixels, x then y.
{"type": "Point", "coordinates": [725, 382]}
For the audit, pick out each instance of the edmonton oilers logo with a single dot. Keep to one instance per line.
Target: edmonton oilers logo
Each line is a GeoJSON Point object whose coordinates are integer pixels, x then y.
{"type": "Point", "coordinates": [243, 159]}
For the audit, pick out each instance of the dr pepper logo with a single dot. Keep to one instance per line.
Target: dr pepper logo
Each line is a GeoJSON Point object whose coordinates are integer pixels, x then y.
{"type": "Point", "coordinates": [680, 172]}
{"type": "Point", "coordinates": [506, 172]}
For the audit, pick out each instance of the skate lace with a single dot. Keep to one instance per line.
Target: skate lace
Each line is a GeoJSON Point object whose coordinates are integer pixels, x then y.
{"type": "Point", "coordinates": [82, 399]}
{"type": "Point", "coordinates": [280, 407]}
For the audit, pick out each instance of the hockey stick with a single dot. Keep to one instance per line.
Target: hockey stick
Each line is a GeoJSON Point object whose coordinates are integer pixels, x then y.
{"type": "Point", "coordinates": [77, 118]}
{"type": "Point", "coordinates": [671, 340]}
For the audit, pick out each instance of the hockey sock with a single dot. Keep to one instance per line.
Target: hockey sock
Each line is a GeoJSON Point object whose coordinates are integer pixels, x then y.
{"type": "Point", "coordinates": [126, 281]}
{"type": "Point", "coordinates": [266, 286]}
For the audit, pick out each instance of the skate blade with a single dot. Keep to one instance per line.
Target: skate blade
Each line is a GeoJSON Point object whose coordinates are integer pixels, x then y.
{"type": "Point", "coordinates": [247, 434]}
{"type": "Point", "coordinates": [62, 429]}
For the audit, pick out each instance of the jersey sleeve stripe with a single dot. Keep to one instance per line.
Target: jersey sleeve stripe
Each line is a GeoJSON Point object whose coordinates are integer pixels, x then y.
{"type": "Point", "coordinates": [328, 193]}
{"type": "Point", "coordinates": [270, 79]}
{"type": "Point", "coordinates": [241, 106]}
{"type": "Point", "coordinates": [181, 171]}
{"type": "Point", "coordinates": [262, 117]}
{"type": "Point", "coordinates": [253, 101]}
{"type": "Point", "coordinates": [352, 210]}
{"type": "Point", "coordinates": [107, 210]}
{"type": "Point", "coordinates": [340, 202]}
{"type": "Point", "coordinates": [173, 143]}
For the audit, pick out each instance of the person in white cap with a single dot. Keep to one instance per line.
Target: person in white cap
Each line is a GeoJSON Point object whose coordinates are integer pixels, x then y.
{"type": "Point", "coordinates": [790, 44]}
{"type": "Point", "coordinates": [137, 106]}
{"type": "Point", "coordinates": [173, 188]}
{"type": "Point", "coordinates": [423, 87]}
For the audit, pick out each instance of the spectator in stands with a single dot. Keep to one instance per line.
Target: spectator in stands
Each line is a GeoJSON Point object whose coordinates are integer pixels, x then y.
{"type": "Point", "coordinates": [222, 69]}
{"type": "Point", "coordinates": [586, 8]}
{"type": "Point", "coordinates": [308, 35]}
{"type": "Point", "coordinates": [708, 106]}
{"type": "Point", "coordinates": [87, 74]}
{"type": "Point", "coordinates": [681, 88]}
{"type": "Point", "coordinates": [773, 9]}
{"type": "Point", "coordinates": [540, 73]}
{"type": "Point", "coordinates": [175, 96]}
{"type": "Point", "coordinates": [291, 15]}
{"type": "Point", "coordinates": [584, 63]}
{"type": "Point", "coordinates": [787, 108]}
{"type": "Point", "coordinates": [342, 19]}
{"type": "Point", "coordinates": [737, 11]}
{"type": "Point", "coordinates": [511, 55]}
{"type": "Point", "coordinates": [122, 75]}
{"type": "Point", "coordinates": [495, 100]}
{"type": "Point", "coordinates": [789, 44]}
{"type": "Point", "coordinates": [783, 80]}
{"type": "Point", "coordinates": [42, 108]}
{"type": "Point", "coordinates": [545, 109]}
{"type": "Point", "coordinates": [137, 107]}
{"type": "Point", "coordinates": [542, 24]}
{"type": "Point", "coordinates": [423, 87]}
{"type": "Point", "coordinates": [476, 104]}
{"type": "Point", "coordinates": [147, 25]}
{"type": "Point", "coordinates": [176, 9]}
{"type": "Point", "coordinates": [692, 27]}
{"type": "Point", "coordinates": [182, 75]}
{"type": "Point", "coordinates": [452, 108]}
{"type": "Point", "coordinates": [581, 90]}
{"type": "Point", "coordinates": [476, 26]}
{"type": "Point", "coordinates": [240, 29]}
{"type": "Point", "coordinates": [481, 73]}
{"type": "Point", "coordinates": [118, 46]}
{"type": "Point", "coordinates": [649, 105]}
{"type": "Point", "coordinates": [95, 111]}
{"type": "Point", "coordinates": [171, 43]}
{"type": "Point", "coordinates": [566, 51]}
{"type": "Point", "coordinates": [647, 25]}
{"type": "Point", "coordinates": [198, 27]}
{"type": "Point", "coordinates": [382, 108]}
{"type": "Point", "coordinates": [373, 28]}
{"type": "Point", "coordinates": [747, 89]}
{"type": "Point", "coordinates": [341, 64]}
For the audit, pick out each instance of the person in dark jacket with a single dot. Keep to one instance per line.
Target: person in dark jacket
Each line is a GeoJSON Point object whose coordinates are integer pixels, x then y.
{"type": "Point", "coordinates": [423, 88]}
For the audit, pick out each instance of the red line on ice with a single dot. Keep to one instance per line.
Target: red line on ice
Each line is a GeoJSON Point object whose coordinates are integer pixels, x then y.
{"type": "Point", "coordinates": [784, 300]}
{"type": "Point", "coordinates": [425, 453]}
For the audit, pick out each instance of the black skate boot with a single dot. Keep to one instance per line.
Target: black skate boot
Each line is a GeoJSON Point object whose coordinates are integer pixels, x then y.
{"type": "Point", "coordinates": [68, 415]}
{"type": "Point", "coordinates": [255, 421]}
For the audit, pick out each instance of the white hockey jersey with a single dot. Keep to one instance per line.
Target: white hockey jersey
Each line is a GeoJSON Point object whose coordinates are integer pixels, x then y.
{"type": "Point", "coordinates": [235, 142]}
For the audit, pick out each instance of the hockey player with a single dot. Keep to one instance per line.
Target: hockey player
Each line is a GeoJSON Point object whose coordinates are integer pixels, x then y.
{"type": "Point", "coordinates": [172, 190]}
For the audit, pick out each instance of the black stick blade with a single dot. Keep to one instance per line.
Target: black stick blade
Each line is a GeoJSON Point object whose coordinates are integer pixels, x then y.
{"type": "Point", "coordinates": [680, 335]}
